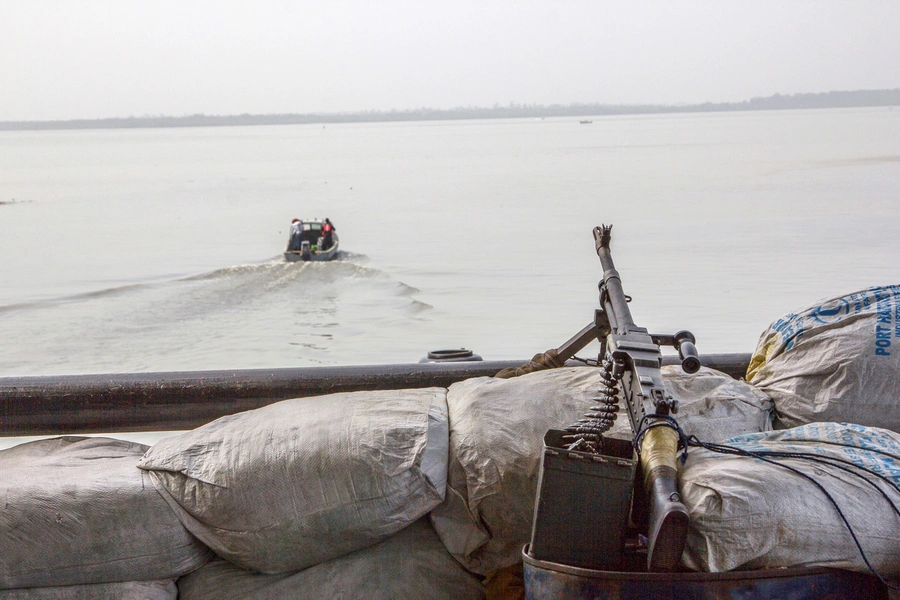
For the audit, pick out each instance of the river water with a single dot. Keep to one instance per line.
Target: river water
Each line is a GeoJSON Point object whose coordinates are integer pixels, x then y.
{"type": "Point", "coordinates": [160, 249]}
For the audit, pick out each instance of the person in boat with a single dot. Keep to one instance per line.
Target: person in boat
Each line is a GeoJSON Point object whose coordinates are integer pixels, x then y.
{"type": "Point", "coordinates": [296, 235]}
{"type": "Point", "coordinates": [327, 234]}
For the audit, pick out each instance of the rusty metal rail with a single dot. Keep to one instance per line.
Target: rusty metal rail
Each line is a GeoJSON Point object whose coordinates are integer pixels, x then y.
{"type": "Point", "coordinates": [185, 400]}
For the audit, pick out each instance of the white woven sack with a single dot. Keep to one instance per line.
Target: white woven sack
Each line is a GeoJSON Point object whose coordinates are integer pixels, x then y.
{"type": "Point", "coordinates": [497, 428]}
{"type": "Point", "coordinates": [129, 590]}
{"type": "Point", "coordinates": [410, 564]}
{"type": "Point", "coordinates": [835, 360]}
{"type": "Point", "coordinates": [712, 405]}
{"type": "Point", "coordinates": [750, 514]}
{"type": "Point", "coordinates": [302, 481]}
{"type": "Point", "coordinates": [76, 510]}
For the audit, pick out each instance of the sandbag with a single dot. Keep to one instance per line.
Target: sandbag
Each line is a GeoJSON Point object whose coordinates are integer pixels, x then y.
{"type": "Point", "coordinates": [497, 428]}
{"type": "Point", "coordinates": [410, 564]}
{"type": "Point", "coordinates": [129, 590]}
{"type": "Point", "coordinates": [76, 510]}
{"type": "Point", "coordinates": [750, 514]}
{"type": "Point", "coordinates": [835, 360]}
{"type": "Point", "coordinates": [302, 481]}
{"type": "Point", "coordinates": [713, 405]}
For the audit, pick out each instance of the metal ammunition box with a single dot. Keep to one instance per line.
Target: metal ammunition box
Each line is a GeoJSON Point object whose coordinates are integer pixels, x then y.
{"type": "Point", "coordinates": [583, 503]}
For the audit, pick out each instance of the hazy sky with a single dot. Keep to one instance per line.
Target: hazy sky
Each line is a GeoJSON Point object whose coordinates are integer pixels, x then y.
{"type": "Point", "coordinates": [67, 59]}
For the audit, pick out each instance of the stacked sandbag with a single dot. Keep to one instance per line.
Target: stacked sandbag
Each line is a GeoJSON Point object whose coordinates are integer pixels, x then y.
{"type": "Point", "coordinates": [409, 564]}
{"type": "Point", "coordinates": [77, 511]}
{"type": "Point", "coordinates": [835, 360]}
{"type": "Point", "coordinates": [496, 437]}
{"type": "Point", "coordinates": [130, 590]}
{"type": "Point", "coordinates": [748, 513]}
{"type": "Point", "coordinates": [303, 481]}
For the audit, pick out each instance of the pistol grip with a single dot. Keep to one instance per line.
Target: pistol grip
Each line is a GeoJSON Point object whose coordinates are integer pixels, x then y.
{"type": "Point", "coordinates": [690, 360]}
{"type": "Point", "coordinates": [669, 522]}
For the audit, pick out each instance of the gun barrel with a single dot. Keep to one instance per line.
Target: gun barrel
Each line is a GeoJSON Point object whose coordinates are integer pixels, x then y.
{"type": "Point", "coordinates": [649, 407]}
{"type": "Point", "coordinates": [615, 302]}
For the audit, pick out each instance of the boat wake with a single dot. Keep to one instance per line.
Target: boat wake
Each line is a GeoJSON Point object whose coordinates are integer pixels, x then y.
{"type": "Point", "coordinates": [280, 313]}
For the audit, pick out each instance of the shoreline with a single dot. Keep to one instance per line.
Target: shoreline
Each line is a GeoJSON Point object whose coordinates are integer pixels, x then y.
{"type": "Point", "coordinates": [835, 99]}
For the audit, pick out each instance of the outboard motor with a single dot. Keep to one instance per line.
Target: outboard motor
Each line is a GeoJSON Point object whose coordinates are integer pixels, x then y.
{"type": "Point", "coordinates": [305, 250]}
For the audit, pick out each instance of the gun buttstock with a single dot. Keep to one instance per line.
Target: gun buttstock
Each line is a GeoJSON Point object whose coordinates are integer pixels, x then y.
{"type": "Point", "coordinates": [669, 519]}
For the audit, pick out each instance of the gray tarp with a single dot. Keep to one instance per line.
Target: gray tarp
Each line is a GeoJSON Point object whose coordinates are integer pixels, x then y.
{"type": "Point", "coordinates": [835, 360]}
{"type": "Point", "coordinates": [750, 514]}
{"type": "Point", "coordinates": [412, 564]}
{"type": "Point", "coordinates": [130, 590]}
{"type": "Point", "coordinates": [302, 481]}
{"type": "Point", "coordinates": [76, 510]}
{"type": "Point", "coordinates": [496, 436]}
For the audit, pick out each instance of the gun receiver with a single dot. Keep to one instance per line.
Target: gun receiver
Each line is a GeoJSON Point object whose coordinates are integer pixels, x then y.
{"type": "Point", "coordinates": [631, 359]}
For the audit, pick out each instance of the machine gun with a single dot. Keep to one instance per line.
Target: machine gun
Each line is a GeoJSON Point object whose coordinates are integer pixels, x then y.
{"type": "Point", "coordinates": [630, 360]}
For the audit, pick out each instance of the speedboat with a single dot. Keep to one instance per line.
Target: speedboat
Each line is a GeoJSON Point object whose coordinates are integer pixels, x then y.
{"type": "Point", "coordinates": [311, 244]}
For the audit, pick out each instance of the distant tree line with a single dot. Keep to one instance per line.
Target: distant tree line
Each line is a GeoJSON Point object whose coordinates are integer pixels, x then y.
{"type": "Point", "coordinates": [860, 98]}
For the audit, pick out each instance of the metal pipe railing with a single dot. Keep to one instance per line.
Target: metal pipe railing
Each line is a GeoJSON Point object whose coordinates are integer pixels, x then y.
{"type": "Point", "coordinates": [185, 400]}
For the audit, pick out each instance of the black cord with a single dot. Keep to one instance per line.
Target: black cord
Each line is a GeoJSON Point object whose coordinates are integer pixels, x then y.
{"type": "Point", "coordinates": [831, 461]}
{"type": "Point", "coordinates": [764, 455]}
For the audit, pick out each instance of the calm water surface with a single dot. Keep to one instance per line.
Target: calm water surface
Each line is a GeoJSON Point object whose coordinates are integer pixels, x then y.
{"type": "Point", "coordinates": [158, 250]}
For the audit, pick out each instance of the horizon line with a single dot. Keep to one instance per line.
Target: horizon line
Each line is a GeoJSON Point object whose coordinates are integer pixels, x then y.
{"type": "Point", "coordinates": [831, 99]}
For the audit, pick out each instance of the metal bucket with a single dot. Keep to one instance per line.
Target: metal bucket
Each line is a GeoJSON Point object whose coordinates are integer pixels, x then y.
{"type": "Point", "coordinates": [553, 581]}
